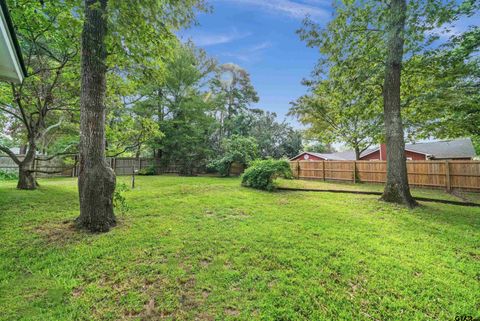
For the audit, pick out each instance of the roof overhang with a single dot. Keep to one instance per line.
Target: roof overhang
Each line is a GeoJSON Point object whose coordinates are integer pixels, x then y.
{"type": "Point", "coordinates": [291, 159]}
{"type": "Point", "coordinates": [369, 152]}
{"type": "Point", "coordinates": [303, 153]}
{"type": "Point", "coordinates": [12, 68]}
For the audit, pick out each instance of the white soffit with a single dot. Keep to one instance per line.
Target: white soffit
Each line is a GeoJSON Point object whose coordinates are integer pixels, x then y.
{"type": "Point", "coordinates": [10, 65]}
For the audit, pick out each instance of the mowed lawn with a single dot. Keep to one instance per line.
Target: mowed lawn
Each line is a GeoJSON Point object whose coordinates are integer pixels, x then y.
{"type": "Point", "coordinates": [208, 249]}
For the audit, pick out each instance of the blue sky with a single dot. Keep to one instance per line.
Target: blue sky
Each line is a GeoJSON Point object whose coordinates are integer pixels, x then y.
{"type": "Point", "coordinates": [259, 35]}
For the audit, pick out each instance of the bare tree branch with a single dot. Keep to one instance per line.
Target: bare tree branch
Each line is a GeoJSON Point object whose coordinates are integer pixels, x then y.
{"type": "Point", "coordinates": [56, 155]}
{"type": "Point", "coordinates": [10, 154]}
{"type": "Point", "coordinates": [49, 128]}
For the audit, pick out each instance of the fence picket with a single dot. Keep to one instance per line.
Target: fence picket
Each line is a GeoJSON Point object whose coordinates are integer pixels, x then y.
{"type": "Point", "coordinates": [444, 174]}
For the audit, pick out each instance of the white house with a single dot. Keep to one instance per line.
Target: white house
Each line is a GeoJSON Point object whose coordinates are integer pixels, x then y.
{"type": "Point", "coordinates": [12, 68]}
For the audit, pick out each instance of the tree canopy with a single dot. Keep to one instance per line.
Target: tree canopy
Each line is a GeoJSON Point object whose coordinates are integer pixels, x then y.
{"type": "Point", "coordinates": [348, 79]}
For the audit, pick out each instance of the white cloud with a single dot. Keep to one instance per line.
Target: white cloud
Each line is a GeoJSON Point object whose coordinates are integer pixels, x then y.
{"type": "Point", "coordinates": [294, 9]}
{"type": "Point", "coordinates": [454, 29]}
{"type": "Point", "coordinates": [250, 54]}
{"type": "Point", "coordinates": [206, 39]}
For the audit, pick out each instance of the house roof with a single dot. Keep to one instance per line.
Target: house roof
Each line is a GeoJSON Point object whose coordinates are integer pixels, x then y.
{"type": "Point", "coordinates": [457, 148]}
{"type": "Point", "coordinates": [327, 156]}
{"type": "Point", "coordinates": [350, 154]}
{"type": "Point", "coordinates": [447, 149]}
{"type": "Point", "coordinates": [12, 67]}
{"type": "Point", "coordinates": [346, 155]}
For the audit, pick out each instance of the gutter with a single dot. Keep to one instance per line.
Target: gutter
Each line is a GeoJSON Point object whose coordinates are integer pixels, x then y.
{"type": "Point", "coordinates": [13, 34]}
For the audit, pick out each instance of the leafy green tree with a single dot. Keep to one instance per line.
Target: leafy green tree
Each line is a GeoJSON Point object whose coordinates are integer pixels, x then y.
{"type": "Point", "coordinates": [318, 147]}
{"type": "Point", "coordinates": [447, 82]}
{"type": "Point", "coordinates": [367, 43]}
{"type": "Point", "coordinates": [121, 114]}
{"type": "Point", "coordinates": [232, 93]}
{"type": "Point", "coordinates": [338, 112]}
{"type": "Point", "coordinates": [291, 145]}
{"type": "Point", "coordinates": [35, 111]}
{"type": "Point", "coordinates": [96, 180]}
{"type": "Point", "coordinates": [108, 29]}
{"type": "Point", "coordinates": [180, 106]}
{"type": "Point", "coordinates": [275, 139]}
{"type": "Point", "coordinates": [396, 189]}
{"type": "Point", "coordinates": [239, 149]}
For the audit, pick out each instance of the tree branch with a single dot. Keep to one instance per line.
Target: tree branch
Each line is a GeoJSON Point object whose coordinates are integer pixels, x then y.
{"type": "Point", "coordinates": [11, 113]}
{"type": "Point", "coordinates": [49, 128]}
{"type": "Point", "coordinates": [10, 154]}
{"type": "Point", "coordinates": [53, 172]}
{"type": "Point", "coordinates": [17, 98]}
{"type": "Point", "coordinates": [56, 155]}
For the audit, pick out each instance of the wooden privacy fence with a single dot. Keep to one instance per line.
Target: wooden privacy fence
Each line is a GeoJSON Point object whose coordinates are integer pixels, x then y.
{"type": "Point", "coordinates": [445, 174]}
{"type": "Point", "coordinates": [121, 166]}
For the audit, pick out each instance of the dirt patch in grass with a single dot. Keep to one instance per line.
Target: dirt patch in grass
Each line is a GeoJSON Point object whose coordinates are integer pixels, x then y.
{"type": "Point", "coordinates": [283, 201]}
{"type": "Point", "coordinates": [65, 232]}
{"type": "Point", "coordinates": [226, 214]}
{"type": "Point", "coordinates": [232, 312]}
{"type": "Point", "coordinates": [59, 233]}
{"type": "Point", "coordinates": [77, 292]}
{"type": "Point", "coordinates": [205, 262]}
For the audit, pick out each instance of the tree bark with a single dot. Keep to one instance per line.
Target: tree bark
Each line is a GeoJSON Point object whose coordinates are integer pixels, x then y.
{"type": "Point", "coordinates": [26, 171]}
{"type": "Point", "coordinates": [396, 188]}
{"type": "Point", "coordinates": [26, 177]}
{"type": "Point", "coordinates": [96, 180]}
{"type": "Point", "coordinates": [357, 153]}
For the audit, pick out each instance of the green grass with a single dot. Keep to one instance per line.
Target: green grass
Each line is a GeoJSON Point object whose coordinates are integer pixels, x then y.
{"type": "Point", "coordinates": [208, 249]}
{"type": "Point", "coordinates": [416, 191]}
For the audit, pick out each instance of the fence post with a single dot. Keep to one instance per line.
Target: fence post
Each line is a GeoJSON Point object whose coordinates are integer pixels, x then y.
{"type": "Point", "coordinates": [323, 170]}
{"type": "Point", "coordinates": [298, 169]}
{"type": "Point", "coordinates": [447, 176]}
{"type": "Point", "coordinates": [35, 162]}
{"type": "Point", "coordinates": [74, 165]}
{"type": "Point", "coordinates": [133, 177]}
{"type": "Point", "coordinates": [354, 172]}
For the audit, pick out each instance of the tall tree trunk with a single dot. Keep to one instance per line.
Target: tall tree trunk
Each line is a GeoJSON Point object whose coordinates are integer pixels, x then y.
{"type": "Point", "coordinates": [357, 153]}
{"type": "Point", "coordinates": [96, 180]}
{"type": "Point", "coordinates": [158, 161]}
{"type": "Point", "coordinates": [26, 173]}
{"type": "Point", "coordinates": [396, 188]}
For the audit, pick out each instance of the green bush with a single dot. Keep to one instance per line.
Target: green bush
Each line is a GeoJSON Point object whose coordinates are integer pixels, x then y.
{"type": "Point", "coordinates": [261, 173]}
{"type": "Point", "coordinates": [119, 201]}
{"type": "Point", "coordinates": [235, 149]}
{"type": "Point", "coordinates": [148, 171]}
{"type": "Point", "coordinates": [8, 175]}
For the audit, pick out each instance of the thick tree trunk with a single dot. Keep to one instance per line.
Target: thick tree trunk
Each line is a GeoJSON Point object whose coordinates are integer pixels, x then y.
{"type": "Point", "coordinates": [96, 180]}
{"type": "Point", "coordinates": [26, 174]}
{"type": "Point", "coordinates": [26, 177]}
{"type": "Point", "coordinates": [396, 188]}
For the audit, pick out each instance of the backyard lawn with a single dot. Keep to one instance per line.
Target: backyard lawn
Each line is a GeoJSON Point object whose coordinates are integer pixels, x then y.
{"type": "Point", "coordinates": [432, 193]}
{"type": "Point", "coordinates": [208, 249]}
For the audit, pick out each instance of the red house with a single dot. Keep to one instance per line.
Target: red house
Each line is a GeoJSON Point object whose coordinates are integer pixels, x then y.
{"type": "Point", "coordinates": [458, 149]}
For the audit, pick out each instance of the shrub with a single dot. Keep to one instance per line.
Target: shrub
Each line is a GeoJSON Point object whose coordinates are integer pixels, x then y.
{"type": "Point", "coordinates": [119, 201]}
{"type": "Point", "coordinates": [147, 171]}
{"type": "Point", "coordinates": [8, 175]}
{"type": "Point", "coordinates": [236, 149]}
{"type": "Point", "coordinates": [261, 173]}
